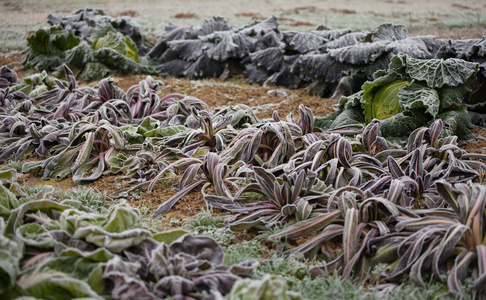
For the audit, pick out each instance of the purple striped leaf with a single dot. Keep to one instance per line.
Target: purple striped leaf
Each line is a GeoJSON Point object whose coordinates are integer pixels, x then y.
{"type": "Point", "coordinates": [415, 243]}
{"type": "Point", "coordinates": [459, 271]}
{"type": "Point", "coordinates": [480, 283]}
{"type": "Point", "coordinates": [350, 235]}
{"type": "Point", "coordinates": [423, 263]}
{"type": "Point", "coordinates": [306, 227]}
{"type": "Point", "coordinates": [78, 176]}
{"type": "Point", "coordinates": [349, 266]}
{"type": "Point", "coordinates": [446, 246]}
{"type": "Point", "coordinates": [434, 132]}
{"type": "Point", "coordinates": [329, 233]}
{"type": "Point", "coordinates": [167, 205]}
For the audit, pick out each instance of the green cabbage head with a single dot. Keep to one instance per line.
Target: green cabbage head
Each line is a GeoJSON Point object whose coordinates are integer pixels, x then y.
{"type": "Point", "coordinates": [386, 102]}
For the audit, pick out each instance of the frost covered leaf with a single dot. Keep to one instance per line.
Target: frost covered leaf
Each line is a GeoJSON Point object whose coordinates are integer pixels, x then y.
{"type": "Point", "coordinates": [259, 28]}
{"type": "Point", "coordinates": [340, 119]}
{"type": "Point", "coordinates": [255, 75]}
{"type": "Point", "coordinates": [269, 287]}
{"type": "Point", "coordinates": [8, 201]}
{"type": "Point", "coordinates": [269, 59]}
{"type": "Point", "coordinates": [463, 49]}
{"type": "Point", "coordinates": [174, 67]}
{"type": "Point", "coordinates": [331, 34]}
{"type": "Point", "coordinates": [126, 285]}
{"type": "Point", "coordinates": [204, 67]}
{"type": "Point", "coordinates": [416, 96]}
{"type": "Point", "coordinates": [402, 124]}
{"type": "Point", "coordinates": [8, 77]}
{"type": "Point", "coordinates": [118, 62]}
{"type": "Point", "coordinates": [457, 122]}
{"type": "Point", "coordinates": [173, 32]}
{"type": "Point", "coordinates": [116, 41]}
{"type": "Point", "coordinates": [46, 48]}
{"type": "Point", "coordinates": [58, 285]}
{"type": "Point", "coordinates": [436, 72]}
{"type": "Point", "coordinates": [75, 22]}
{"type": "Point", "coordinates": [228, 44]}
{"type": "Point", "coordinates": [174, 286]}
{"type": "Point", "coordinates": [417, 47]}
{"type": "Point", "coordinates": [113, 241]}
{"type": "Point", "coordinates": [389, 32]}
{"type": "Point", "coordinates": [84, 21]}
{"type": "Point", "coordinates": [364, 53]}
{"type": "Point", "coordinates": [212, 25]}
{"type": "Point", "coordinates": [11, 252]}
{"type": "Point", "coordinates": [204, 248]}
{"type": "Point", "coordinates": [189, 50]}
{"type": "Point", "coordinates": [322, 67]}
{"type": "Point", "coordinates": [303, 42]}
{"type": "Point", "coordinates": [271, 39]}
{"type": "Point", "coordinates": [346, 40]}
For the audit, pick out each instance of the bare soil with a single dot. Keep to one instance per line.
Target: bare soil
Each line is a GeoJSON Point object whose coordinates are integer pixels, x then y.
{"type": "Point", "coordinates": [217, 93]}
{"type": "Point", "coordinates": [14, 62]}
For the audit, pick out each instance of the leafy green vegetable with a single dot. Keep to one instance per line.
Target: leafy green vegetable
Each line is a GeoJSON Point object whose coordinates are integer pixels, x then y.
{"type": "Point", "coordinates": [385, 102]}
{"type": "Point", "coordinates": [344, 185]}
{"type": "Point", "coordinates": [11, 252]}
{"type": "Point", "coordinates": [412, 93]}
{"type": "Point", "coordinates": [111, 52]}
{"type": "Point", "coordinates": [37, 84]}
{"type": "Point", "coordinates": [269, 287]}
{"type": "Point", "coordinates": [75, 252]}
{"type": "Point", "coordinates": [46, 48]}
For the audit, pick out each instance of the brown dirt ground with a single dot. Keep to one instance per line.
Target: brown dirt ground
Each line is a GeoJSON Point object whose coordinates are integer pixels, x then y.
{"type": "Point", "coordinates": [217, 93]}
{"type": "Point", "coordinates": [186, 16]}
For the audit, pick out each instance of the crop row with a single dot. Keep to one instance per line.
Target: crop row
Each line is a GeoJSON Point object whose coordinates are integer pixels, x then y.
{"type": "Point", "coordinates": [418, 208]}
{"type": "Point", "coordinates": [329, 62]}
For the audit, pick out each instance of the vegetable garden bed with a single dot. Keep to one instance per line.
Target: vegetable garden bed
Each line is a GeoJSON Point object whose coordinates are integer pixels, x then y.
{"type": "Point", "coordinates": [305, 204]}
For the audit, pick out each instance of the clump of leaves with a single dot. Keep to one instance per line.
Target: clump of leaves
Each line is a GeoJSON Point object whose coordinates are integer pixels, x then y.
{"type": "Point", "coordinates": [284, 199]}
{"type": "Point", "coordinates": [8, 77]}
{"type": "Point", "coordinates": [268, 287]}
{"type": "Point", "coordinates": [405, 96]}
{"type": "Point", "coordinates": [108, 52]}
{"type": "Point", "coordinates": [92, 254]}
{"type": "Point", "coordinates": [89, 197]}
{"type": "Point", "coordinates": [37, 84]}
{"type": "Point", "coordinates": [46, 48]}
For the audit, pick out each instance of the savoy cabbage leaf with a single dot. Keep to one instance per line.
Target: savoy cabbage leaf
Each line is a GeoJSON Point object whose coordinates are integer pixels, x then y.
{"type": "Point", "coordinates": [46, 48]}
{"type": "Point", "coordinates": [436, 73]}
{"type": "Point", "coordinates": [412, 93]}
{"type": "Point", "coordinates": [424, 47]}
{"type": "Point", "coordinates": [84, 22]}
{"type": "Point", "coordinates": [388, 31]}
{"type": "Point", "coordinates": [270, 59]}
{"type": "Point", "coordinates": [227, 44]}
{"type": "Point", "coordinates": [303, 42]}
{"type": "Point", "coordinates": [212, 25]}
{"type": "Point", "coordinates": [349, 39]}
{"type": "Point", "coordinates": [363, 53]}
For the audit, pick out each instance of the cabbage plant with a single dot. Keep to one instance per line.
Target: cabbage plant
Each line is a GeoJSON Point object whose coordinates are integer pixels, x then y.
{"type": "Point", "coordinates": [411, 93]}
